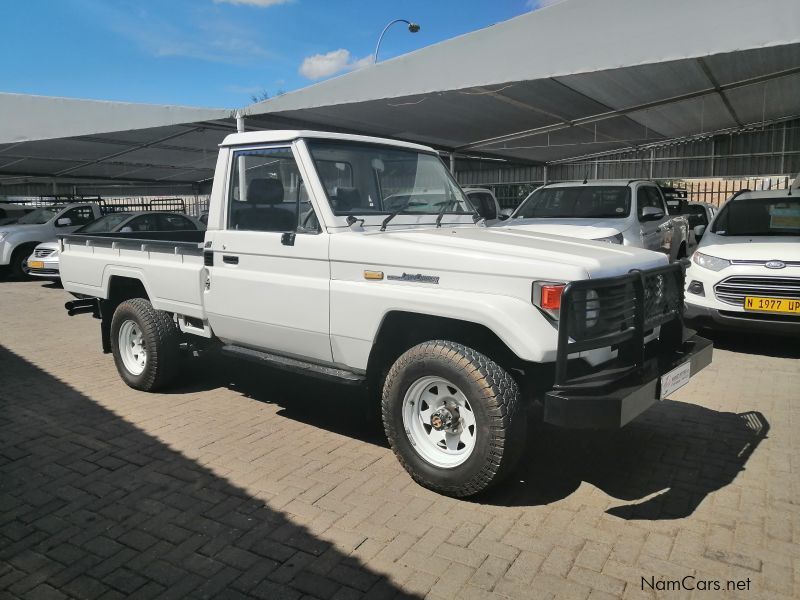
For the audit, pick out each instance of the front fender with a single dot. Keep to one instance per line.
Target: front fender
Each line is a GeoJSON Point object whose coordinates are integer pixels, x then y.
{"type": "Point", "coordinates": [358, 309]}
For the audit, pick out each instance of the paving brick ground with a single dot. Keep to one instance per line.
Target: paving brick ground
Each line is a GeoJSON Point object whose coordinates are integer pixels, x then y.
{"type": "Point", "coordinates": [248, 483]}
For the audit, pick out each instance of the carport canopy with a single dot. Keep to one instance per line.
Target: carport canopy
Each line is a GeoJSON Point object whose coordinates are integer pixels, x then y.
{"type": "Point", "coordinates": [574, 79]}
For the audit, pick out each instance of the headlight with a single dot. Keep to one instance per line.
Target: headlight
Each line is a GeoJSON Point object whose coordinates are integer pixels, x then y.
{"type": "Point", "coordinates": [710, 262]}
{"type": "Point", "coordinates": [592, 308]}
{"type": "Point", "coordinates": [612, 239]}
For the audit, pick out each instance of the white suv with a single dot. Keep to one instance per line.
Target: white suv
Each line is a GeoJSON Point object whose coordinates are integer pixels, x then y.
{"type": "Point", "coordinates": [745, 273]}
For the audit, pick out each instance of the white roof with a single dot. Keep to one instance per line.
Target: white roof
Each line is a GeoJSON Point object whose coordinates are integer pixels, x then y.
{"type": "Point", "coordinates": [766, 194]}
{"type": "Point", "coordinates": [600, 182]}
{"type": "Point", "coordinates": [288, 135]}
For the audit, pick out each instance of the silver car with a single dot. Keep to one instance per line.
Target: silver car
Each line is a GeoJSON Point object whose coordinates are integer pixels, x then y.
{"type": "Point", "coordinates": [45, 258]}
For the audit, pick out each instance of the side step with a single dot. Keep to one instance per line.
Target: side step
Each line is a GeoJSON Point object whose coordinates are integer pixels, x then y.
{"type": "Point", "coordinates": [294, 365]}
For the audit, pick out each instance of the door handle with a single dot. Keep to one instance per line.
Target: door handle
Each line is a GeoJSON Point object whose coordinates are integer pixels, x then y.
{"type": "Point", "coordinates": [230, 260]}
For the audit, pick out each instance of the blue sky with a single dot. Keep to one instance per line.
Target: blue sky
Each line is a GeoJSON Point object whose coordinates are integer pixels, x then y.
{"type": "Point", "coordinates": [214, 53]}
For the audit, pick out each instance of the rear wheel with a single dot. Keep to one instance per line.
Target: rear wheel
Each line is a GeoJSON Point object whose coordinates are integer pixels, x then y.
{"type": "Point", "coordinates": [145, 344]}
{"type": "Point", "coordinates": [453, 418]}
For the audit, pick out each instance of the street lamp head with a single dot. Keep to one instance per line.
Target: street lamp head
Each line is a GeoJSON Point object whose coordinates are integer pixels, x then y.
{"type": "Point", "coordinates": [412, 27]}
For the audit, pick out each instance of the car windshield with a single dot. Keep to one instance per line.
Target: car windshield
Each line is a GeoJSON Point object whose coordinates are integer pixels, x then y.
{"type": "Point", "coordinates": [104, 224]}
{"type": "Point", "coordinates": [759, 216]}
{"type": "Point", "coordinates": [579, 202]}
{"type": "Point", "coordinates": [38, 216]}
{"type": "Point", "coordinates": [363, 179]}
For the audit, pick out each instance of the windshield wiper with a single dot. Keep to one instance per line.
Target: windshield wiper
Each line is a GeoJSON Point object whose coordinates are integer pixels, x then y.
{"type": "Point", "coordinates": [442, 211]}
{"type": "Point", "coordinates": [399, 211]}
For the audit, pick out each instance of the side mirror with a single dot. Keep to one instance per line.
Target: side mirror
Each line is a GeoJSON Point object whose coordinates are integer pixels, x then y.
{"type": "Point", "coordinates": [64, 222]}
{"type": "Point", "coordinates": [651, 213]}
{"type": "Point", "coordinates": [699, 231]}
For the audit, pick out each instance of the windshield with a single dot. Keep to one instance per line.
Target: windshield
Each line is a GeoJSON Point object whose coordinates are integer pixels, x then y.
{"type": "Point", "coordinates": [580, 202]}
{"type": "Point", "coordinates": [38, 217]}
{"type": "Point", "coordinates": [104, 224]}
{"type": "Point", "coordinates": [759, 216]}
{"type": "Point", "coordinates": [363, 179]}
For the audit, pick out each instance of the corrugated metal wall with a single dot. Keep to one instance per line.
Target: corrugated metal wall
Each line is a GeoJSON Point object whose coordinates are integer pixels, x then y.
{"type": "Point", "coordinates": [771, 150]}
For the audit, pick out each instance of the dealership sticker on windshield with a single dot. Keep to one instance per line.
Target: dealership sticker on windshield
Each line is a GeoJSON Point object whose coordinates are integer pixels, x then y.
{"type": "Point", "coordinates": [675, 379]}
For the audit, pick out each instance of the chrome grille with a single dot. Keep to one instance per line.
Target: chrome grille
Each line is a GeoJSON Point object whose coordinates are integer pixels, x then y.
{"type": "Point", "coordinates": [43, 252]}
{"type": "Point", "coordinates": [734, 289]}
{"type": "Point", "coordinates": [763, 263]}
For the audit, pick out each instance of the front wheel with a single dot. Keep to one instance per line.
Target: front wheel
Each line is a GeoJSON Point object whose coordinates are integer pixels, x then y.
{"type": "Point", "coordinates": [453, 418]}
{"type": "Point", "coordinates": [145, 344]}
{"type": "Point", "coordinates": [19, 262]}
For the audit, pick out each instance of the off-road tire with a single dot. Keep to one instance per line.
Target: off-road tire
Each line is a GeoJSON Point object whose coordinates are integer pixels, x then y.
{"type": "Point", "coordinates": [162, 340]}
{"type": "Point", "coordinates": [495, 400]}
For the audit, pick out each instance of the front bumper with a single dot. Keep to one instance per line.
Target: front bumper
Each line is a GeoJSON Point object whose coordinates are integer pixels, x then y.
{"type": "Point", "coordinates": [776, 324]}
{"type": "Point", "coordinates": [49, 268]}
{"type": "Point", "coordinates": [588, 403]}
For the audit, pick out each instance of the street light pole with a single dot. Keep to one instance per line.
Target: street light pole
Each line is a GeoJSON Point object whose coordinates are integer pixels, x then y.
{"type": "Point", "coordinates": [412, 28]}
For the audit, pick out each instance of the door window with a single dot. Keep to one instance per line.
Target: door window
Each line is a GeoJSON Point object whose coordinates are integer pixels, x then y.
{"type": "Point", "coordinates": [267, 193]}
{"type": "Point", "coordinates": [485, 205]}
{"type": "Point", "coordinates": [649, 196]}
{"type": "Point", "coordinates": [696, 215]}
{"type": "Point", "coordinates": [175, 223]}
{"type": "Point", "coordinates": [80, 215]}
{"type": "Point", "coordinates": [143, 223]}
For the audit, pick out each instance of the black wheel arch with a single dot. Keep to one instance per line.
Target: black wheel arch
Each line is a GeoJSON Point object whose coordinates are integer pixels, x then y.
{"type": "Point", "coordinates": [401, 330]}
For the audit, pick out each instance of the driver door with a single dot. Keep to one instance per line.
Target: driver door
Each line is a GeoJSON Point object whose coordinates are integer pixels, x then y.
{"type": "Point", "coordinates": [656, 234]}
{"type": "Point", "coordinates": [268, 273]}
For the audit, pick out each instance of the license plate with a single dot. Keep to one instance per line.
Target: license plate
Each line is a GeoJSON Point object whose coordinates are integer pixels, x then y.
{"type": "Point", "coordinates": [35, 264]}
{"type": "Point", "coordinates": [675, 379]}
{"type": "Point", "coordinates": [778, 305]}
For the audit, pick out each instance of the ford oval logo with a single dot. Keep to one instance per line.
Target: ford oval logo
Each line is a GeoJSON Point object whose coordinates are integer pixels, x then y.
{"type": "Point", "coordinates": [775, 264]}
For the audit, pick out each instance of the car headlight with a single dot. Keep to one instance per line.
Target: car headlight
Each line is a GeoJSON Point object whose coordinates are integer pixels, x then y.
{"type": "Point", "coordinates": [611, 239]}
{"type": "Point", "coordinates": [710, 262]}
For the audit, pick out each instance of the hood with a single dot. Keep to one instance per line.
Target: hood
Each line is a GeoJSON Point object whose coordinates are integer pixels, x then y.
{"type": "Point", "coordinates": [585, 229]}
{"type": "Point", "coordinates": [52, 245]}
{"type": "Point", "coordinates": [508, 251]}
{"type": "Point", "coordinates": [16, 227]}
{"type": "Point", "coordinates": [745, 247]}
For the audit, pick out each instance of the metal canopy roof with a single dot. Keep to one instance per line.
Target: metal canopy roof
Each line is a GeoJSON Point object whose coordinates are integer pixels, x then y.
{"type": "Point", "coordinates": [80, 140]}
{"type": "Point", "coordinates": [575, 78]}
{"type": "Point", "coordinates": [578, 78]}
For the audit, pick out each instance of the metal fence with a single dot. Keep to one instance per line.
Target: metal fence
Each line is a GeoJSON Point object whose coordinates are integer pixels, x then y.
{"type": "Point", "coordinates": [193, 206]}
{"type": "Point", "coordinates": [716, 192]}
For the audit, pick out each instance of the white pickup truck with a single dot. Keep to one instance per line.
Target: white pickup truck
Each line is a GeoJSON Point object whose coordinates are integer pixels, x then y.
{"type": "Point", "coordinates": [624, 211]}
{"type": "Point", "coordinates": [358, 260]}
